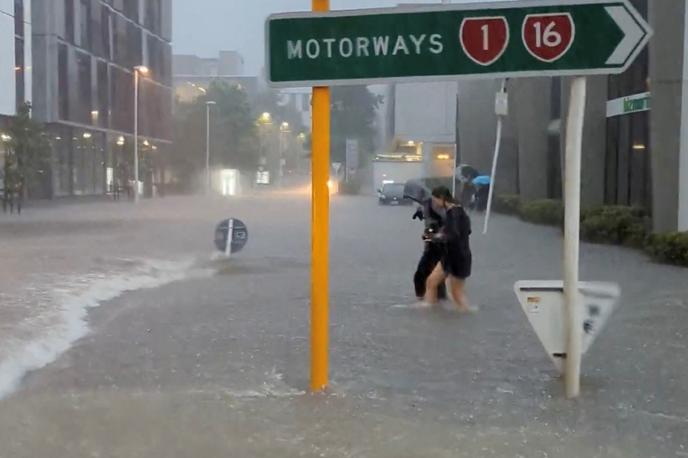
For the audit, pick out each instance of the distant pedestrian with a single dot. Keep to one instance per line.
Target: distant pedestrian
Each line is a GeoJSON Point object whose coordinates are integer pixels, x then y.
{"type": "Point", "coordinates": [457, 258]}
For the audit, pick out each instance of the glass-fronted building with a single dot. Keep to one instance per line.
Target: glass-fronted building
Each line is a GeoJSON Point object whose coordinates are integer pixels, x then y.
{"type": "Point", "coordinates": [15, 65]}
{"type": "Point", "coordinates": [84, 55]}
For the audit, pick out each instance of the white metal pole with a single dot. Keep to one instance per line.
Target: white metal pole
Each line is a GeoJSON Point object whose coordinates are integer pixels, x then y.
{"type": "Point", "coordinates": [207, 148]}
{"type": "Point", "coordinates": [136, 135]}
{"type": "Point", "coordinates": [281, 157]}
{"type": "Point", "coordinates": [230, 237]}
{"type": "Point", "coordinates": [498, 142]}
{"type": "Point", "coordinates": [572, 190]}
{"type": "Point", "coordinates": [456, 147]}
{"type": "Point", "coordinates": [495, 160]}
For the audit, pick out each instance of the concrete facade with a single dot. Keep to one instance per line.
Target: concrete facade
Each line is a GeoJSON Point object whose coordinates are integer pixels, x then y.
{"type": "Point", "coordinates": [193, 74]}
{"type": "Point", "coordinates": [84, 54]}
{"type": "Point", "coordinates": [531, 115]}
{"type": "Point", "coordinates": [425, 114]}
{"type": "Point", "coordinates": [477, 127]}
{"type": "Point", "coordinates": [669, 119]}
{"type": "Point", "coordinates": [12, 70]}
{"type": "Point", "coordinates": [594, 138]}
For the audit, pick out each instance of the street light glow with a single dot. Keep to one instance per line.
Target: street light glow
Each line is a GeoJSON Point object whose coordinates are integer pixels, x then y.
{"type": "Point", "coordinates": [265, 118]}
{"type": "Point", "coordinates": [211, 102]}
{"type": "Point", "coordinates": [87, 135]}
{"type": "Point", "coordinates": [142, 69]}
{"type": "Point", "coordinates": [5, 138]}
{"type": "Point", "coordinates": [120, 141]}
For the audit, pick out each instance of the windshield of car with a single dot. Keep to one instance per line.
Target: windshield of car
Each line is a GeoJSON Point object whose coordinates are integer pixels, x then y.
{"type": "Point", "coordinates": [393, 189]}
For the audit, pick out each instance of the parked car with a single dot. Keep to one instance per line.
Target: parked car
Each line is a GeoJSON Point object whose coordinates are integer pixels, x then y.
{"type": "Point", "coordinates": [393, 194]}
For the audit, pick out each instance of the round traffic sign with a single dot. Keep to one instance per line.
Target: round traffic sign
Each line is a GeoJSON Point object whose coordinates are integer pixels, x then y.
{"type": "Point", "coordinates": [548, 37]}
{"type": "Point", "coordinates": [484, 39]}
{"type": "Point", "coordinates": [239, 235]}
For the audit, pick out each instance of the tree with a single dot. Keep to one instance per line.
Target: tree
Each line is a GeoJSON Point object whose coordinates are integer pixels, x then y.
{"type": "Point", "coordinates": [353, 117]}
{"type": "Point", "coordinates": [233, 141]}
{"type": "Point", "coordinates": [27, 155]}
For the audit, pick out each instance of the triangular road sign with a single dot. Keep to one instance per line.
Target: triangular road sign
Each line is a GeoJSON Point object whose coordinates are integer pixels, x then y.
{"type": "Point", "coordinates": [543, 303]}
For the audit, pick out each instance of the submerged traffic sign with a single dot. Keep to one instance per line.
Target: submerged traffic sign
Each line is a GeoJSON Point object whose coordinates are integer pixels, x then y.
{"type": "Point", "coordinates": [543, 304]}
{"type": "Point", "coordinates": [511, 39]}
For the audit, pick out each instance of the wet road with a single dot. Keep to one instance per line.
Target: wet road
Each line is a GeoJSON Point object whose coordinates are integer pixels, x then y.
{"type": "Point", "coordinates": [217, 364]}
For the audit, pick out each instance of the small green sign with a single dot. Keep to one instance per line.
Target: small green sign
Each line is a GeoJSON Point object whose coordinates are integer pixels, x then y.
{"type": "Point", "coordinates": [528, 38]}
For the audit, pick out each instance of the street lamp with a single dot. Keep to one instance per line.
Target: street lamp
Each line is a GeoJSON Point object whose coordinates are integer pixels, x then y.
{"type": "Point", "coordinates": [208, 104]}
{"type": "Point", "coordinates": [284, 129]}
{"type": "Point", "coordinates": [265, 118]}
{"type": "Point", "coordinates": [138, 70]}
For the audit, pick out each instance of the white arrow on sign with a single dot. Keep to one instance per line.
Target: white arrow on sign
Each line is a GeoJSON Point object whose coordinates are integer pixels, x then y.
{"type": "Point", "coordinates": [634, 33]}
{"type": "Point", "coordinates": [543, 303]}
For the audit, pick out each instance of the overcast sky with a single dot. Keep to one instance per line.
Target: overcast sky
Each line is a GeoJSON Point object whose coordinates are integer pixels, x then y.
{"type": "Point", "coordinates": [204, 27]}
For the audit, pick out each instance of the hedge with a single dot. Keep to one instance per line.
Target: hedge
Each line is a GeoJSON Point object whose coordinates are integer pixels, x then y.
{"type": "Point", "coordinates": [509, 204]}
{"type": "Point", "coordinates": [549, 212]}
{"type": "Point", "coordinates": [611, 224]}
{"type": "Point", "coordinates": [616, 225]}
{"type": "Point", "coordinates": [671, 248]}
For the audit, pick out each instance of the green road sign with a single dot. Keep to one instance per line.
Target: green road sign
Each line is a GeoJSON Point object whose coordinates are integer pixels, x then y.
{"type": "Point", "coordinates": [489, 40]}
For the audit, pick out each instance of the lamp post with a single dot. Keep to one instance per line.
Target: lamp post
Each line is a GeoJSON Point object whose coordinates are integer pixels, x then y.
{"type": "Point", "coordinates": [208, 104]}
{"type": "Point", "coordinates": [284, 129]}
{"type": "Point", "coordinates": [138, 70]}
{"type": "Point", "coordinates": [264, 121]}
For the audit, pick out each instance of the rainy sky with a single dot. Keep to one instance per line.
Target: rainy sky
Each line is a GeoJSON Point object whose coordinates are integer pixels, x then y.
{"type": "Point", "coordinates": [204, 27]}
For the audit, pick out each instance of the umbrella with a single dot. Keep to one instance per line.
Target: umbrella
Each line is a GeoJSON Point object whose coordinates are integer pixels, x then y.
{"type": "Point", "coordinates": [482, 180]}
{"type": "Point", "coordinates": [415, 191]}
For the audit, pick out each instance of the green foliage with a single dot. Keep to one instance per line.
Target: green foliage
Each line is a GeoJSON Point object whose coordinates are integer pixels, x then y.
{"type": "Point", "coordinates": [610, 224]}
{"type": "Point", "coordinates": [27, 152]}
{"type": "Point", "coordinates": [671, 248]}
{"type": "Point", "coordinates": [353, 117]}
{"type": "Point", "coordinates": [234, 142]}
{"type": "Point", "coordinates": [616, 225]}
{"type": "Point", "coordinates": [509, 204]}
{"type": "Point", "coordinates": [543, 211]}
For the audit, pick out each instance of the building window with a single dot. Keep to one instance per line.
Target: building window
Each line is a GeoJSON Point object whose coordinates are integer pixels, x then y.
{"type": "Point", "coordinates": [63, 82]}
{"type": "Point", "coordinates": [628, 177]}
{"type": "Point", "coordinates": [69, 20]}
{"type": "Point", "coordinates": [103, 95]}
{"type": "Point", "coordinates": [105, 32]}
{"type": "Point", "coordinates": [134, 46]}
{"type": "Point", "coordinates": [153, 16]}
{"type": "Point", "coordinates": [131, 9]}
{"type": "Point", "coordinates": [19, 70]}
{"type": "Point", "coordinates": [83, 63]}
{"type": "Point", "coordinates": [85, 25]}
{"type": "Point", "coordinates": [19, 17]}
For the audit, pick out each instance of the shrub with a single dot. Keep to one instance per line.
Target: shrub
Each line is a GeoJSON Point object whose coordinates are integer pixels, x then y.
{"type": "Point", "coordinates": [509, 204]}
{"type": "Point", "coordinates": [544, 211]}
{"type": "Point", "coordinates": [614, 224]}
{"type": "Point", "coordinates": [671, 248]}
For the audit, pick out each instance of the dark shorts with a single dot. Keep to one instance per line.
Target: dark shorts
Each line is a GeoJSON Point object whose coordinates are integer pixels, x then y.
{"type": "Point", "coordinates": [457, 263]}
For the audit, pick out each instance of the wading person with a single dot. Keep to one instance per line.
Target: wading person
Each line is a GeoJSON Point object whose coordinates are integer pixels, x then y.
{"type": "Point", "coordinates": [432, 250]}
{"type": "Point", "coordinates": [456, 259]}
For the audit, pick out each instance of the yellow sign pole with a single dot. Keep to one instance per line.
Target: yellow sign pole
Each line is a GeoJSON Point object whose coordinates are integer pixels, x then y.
{"type": "Point", "coordinates": [320, 231]}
